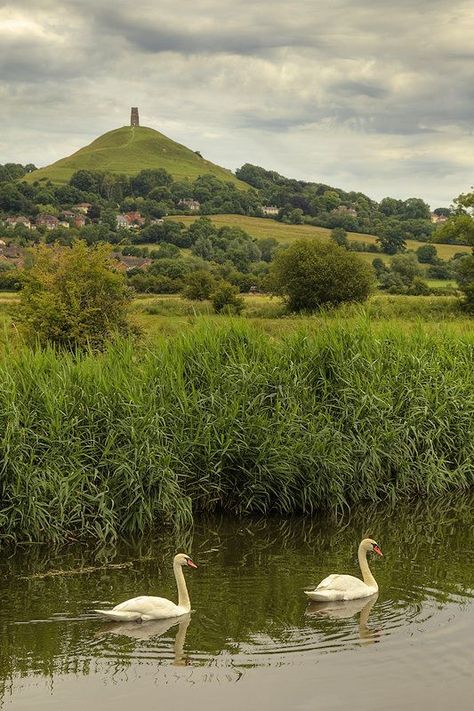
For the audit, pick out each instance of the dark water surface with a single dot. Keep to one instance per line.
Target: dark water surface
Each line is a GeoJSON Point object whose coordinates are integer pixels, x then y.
{"type": "Point", "coordinates": [252, 641]}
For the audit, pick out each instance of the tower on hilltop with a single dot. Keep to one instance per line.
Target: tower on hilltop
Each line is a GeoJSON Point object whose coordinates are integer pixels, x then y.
{"type": "Point", "coordinates": [134, 120]}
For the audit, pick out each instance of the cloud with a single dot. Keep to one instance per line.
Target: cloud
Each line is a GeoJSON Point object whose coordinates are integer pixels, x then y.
{"type": "Point", "coordinates": [363, 94]}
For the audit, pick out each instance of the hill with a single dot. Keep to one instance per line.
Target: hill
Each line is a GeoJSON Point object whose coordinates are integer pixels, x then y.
{"type": "Point", "coordinates": [129, 150]}
{"type": "Point", "coordinates": [262, 227]}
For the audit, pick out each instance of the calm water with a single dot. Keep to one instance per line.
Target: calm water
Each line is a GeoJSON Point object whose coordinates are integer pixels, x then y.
{"type": "Point", "coordinates": [252, 640]}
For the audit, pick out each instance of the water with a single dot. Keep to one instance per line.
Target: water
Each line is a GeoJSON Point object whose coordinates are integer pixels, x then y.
{"type": "Point", "coordinates": [252, 641]}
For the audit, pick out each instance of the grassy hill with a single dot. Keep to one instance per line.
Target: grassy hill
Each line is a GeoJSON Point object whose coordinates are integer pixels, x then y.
{"type": "Point", "coordinates": [129, 150]}
{"type": "Point", "coordinates": [261, 227]}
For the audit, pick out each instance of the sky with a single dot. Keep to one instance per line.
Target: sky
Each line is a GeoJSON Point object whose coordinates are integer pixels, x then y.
{"type": "Point", "coordinates": [368, 95]}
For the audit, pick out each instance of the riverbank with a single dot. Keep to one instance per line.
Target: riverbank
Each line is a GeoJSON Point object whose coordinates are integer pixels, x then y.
{"type": "Point", "coordinates": [224, 418]}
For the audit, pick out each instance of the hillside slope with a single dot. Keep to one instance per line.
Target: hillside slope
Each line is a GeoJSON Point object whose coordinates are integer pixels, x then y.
{"type": "Point", "coordinates": [129, 150]}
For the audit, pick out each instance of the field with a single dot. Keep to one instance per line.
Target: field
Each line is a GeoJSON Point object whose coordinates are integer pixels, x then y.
{"type": "Point", "coordinates": [260, 227]}
{"type": "Point", "coordinates": [129, 150]}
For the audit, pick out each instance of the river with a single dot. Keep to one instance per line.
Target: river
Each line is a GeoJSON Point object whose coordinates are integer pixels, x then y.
{"type": "Point", "coordinates": [252, 640]}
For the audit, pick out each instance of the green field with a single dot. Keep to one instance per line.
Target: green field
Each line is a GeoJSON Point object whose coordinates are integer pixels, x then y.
{"type": "Point", "coordinates": [260, 227]}
{"type": "Point", "coordinates": [129, 150]}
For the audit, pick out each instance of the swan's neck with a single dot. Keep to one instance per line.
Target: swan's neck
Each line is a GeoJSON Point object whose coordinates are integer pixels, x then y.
{"type": "Point", "coordinates": [183, 595]}
{"type": "Point", "coordinates": [365, 570]}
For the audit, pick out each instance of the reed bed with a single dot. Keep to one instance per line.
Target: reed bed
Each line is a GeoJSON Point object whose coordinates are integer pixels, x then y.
{"type": "Point", "coordinates": [224, 418]}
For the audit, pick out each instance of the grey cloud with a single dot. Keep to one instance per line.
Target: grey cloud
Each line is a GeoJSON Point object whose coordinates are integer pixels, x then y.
{"type": "Point", "coordinates": [272, 81]}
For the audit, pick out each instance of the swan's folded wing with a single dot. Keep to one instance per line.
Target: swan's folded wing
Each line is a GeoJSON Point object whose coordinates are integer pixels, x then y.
{"type": "Point", "coordinates": [148, 605]}
{"type": "Point", "coordinates": [342, 583]}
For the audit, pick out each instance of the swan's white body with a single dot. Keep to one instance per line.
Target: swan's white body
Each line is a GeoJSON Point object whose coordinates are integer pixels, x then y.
{"type": "Point", "coordinates": [348, 587]}
{"type": "Point", "coordinates": [147, 607]}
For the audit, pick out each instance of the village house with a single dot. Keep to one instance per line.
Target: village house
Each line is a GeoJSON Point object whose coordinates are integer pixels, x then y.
{"type": "Point", "coordinates": [18, 220]}
{"type": "Point", "coordinates": [126, 263]}
{"type": "Point", "coordinates": [344, 210]}
{"type": "Point", "coordinates": [79, 220]}
{"type": "Point", "coordinates": [122, 222]}
{"type": "Point", "coordinates": [12, 254]}
{"type": "Point", "coordinates": [438, 218]}
{"type": "Point", "coordinates": [270, 210]}
{"type": "Point", "coordinates": [190, 205]}
{"type": "Point", "coordinates": [83, 207]}
{"type": "Point", "coordinates": [48, 221]}
{"type": "Point", "coordinates": [134, 219]}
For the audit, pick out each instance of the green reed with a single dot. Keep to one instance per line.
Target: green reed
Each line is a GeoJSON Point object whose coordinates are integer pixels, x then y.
{"type": "Point", "coordinates": [224, 418]}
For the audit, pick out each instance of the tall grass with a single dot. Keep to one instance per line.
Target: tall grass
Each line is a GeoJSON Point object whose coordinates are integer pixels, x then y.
{"type": "Point", "coordinates": [225, 418]}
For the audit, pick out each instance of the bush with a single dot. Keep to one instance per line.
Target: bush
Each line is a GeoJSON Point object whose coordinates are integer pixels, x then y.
{"type": "Point", "coordinates": [225, 299]}
{"type": "Point", "coordinates": [339, 237]}
{"type": "Point", "coordinates": [464, 269]}
{"type": "Point", "coordinates": [73, 297]}
{"type": "Point", "coordinates": [427, 254]}
{"type": "Point", "coordinates": [199, 285]}
{"type": "Point", "coordinates": [310, 273]}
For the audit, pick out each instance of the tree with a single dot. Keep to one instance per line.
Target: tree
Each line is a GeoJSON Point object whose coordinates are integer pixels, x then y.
{"type": "Point", "coordinates": [339, 237]}
{"type": "Point", "coordinates": [459, 229]}
{"type": "Point", "coordinates": [391, 236]}
{"type": "Point", "coordinates": [464, 271]}
{"type": "Point", "coordinates": [225, 299]}
{"type": "Point", "coordinates": [310, 273]}
{"type": "Point", "coordinates": [73, 297]}
{"type": "Point", "coordinates": [199, 285]}
{"type": "Point", "coordinates": [427, 254]}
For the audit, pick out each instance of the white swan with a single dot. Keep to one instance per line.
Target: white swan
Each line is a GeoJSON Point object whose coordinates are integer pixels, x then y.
{"type": "Point", "coordinates": [347, 587]}
{"type": "Point", "coordinates": [146, 607]}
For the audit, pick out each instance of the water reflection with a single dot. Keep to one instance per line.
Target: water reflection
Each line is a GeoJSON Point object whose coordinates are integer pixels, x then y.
{"type": "Point", "coordinates": [342, 610]}
{"type": "Point", "coordinates": [144, 631]}
{"type": "Point", "coordinates": [247, 595]}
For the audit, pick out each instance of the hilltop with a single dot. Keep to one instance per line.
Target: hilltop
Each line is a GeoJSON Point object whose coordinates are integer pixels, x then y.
{"type": "Point", "coordinates": [129, 150]}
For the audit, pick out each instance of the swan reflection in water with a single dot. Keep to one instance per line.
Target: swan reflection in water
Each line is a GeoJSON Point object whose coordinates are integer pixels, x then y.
{"type": "Point", "coordinates": [155, 628]}
{"type": "Point", "coordinates": [342, 610]}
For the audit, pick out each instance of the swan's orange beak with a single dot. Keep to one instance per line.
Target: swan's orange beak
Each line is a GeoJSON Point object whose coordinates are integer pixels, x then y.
{"type": "Point", "coordinates": [377, 550]}
{"type": "Point", "coordinates": [193, 565]}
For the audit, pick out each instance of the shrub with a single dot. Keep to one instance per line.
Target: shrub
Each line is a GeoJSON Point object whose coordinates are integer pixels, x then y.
{"type": "Point", "coordinates": [339, 237]}
{"type": "Point", "coordinates": [310, 273]}
{"type": "Point", "coordinates": [225, 299]}
{"type": "Point", "coordinates": [199, 285]}
{"type": "Point", "coordinates": [427, 254]}
{"type": "Point", "coordinates": [73, 297]}
{"type": "Point", "coordinates": [464, 269]}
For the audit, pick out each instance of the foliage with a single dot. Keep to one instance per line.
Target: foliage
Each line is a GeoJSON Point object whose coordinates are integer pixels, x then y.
{"type": "Point", "coordinates": [72, 297]}
{"type": "Point", "coordinates": [464, 272]}
{"type": "Point", "coordinates": [427, 254]}
{"type": "Point", "coordinates": [323, 419]}
{"type": "Point", "coordinates": [310, 274]}
{"type": "Point", "coordinates": [225, 299]}
{"type": "Point", "coordinates": [459, 229]}
{"type": "Point", "coordinates": [339, 237]}
{"type": "Point", "coordinates": [199, 285]}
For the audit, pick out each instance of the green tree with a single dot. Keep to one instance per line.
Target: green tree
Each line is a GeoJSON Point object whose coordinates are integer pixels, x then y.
{"type": "Point", "coordinates": [73, 297]}
{"type": "Point", "coordinates": [391, 236]}
{"type": "Point", "coordinates": [310, 273]}
{"type": "Point", "coordinates": [225, 299]}
{"type": "Point", "coordinates": [339, 237]}
{"type": "Point", "coordinates": [459, 229]}
{"type": "Point", "coordinates": [427, 254]}
{"type": "Point", "coordinates": [464, 272]}
{"type": "Point", "coordinates": [199, 285]}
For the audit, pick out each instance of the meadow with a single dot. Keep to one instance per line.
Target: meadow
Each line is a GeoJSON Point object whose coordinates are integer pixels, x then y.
{"type": "Point", "coordinates": [247, 416]}
{"type": "Point", "coordinates": [260, 228]}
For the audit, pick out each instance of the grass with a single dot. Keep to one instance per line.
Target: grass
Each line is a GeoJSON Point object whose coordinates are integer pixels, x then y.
{"type": "Point", "coordinates": [260, 227]}
{"type": "Point", "coordinates": [129, 150]}
{"type": "Point", "coordinates": [220, 417]}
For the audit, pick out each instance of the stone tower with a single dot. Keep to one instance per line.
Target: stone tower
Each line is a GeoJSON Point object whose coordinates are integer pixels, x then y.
{"type": "Point", "coordinates": [134, 120]}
